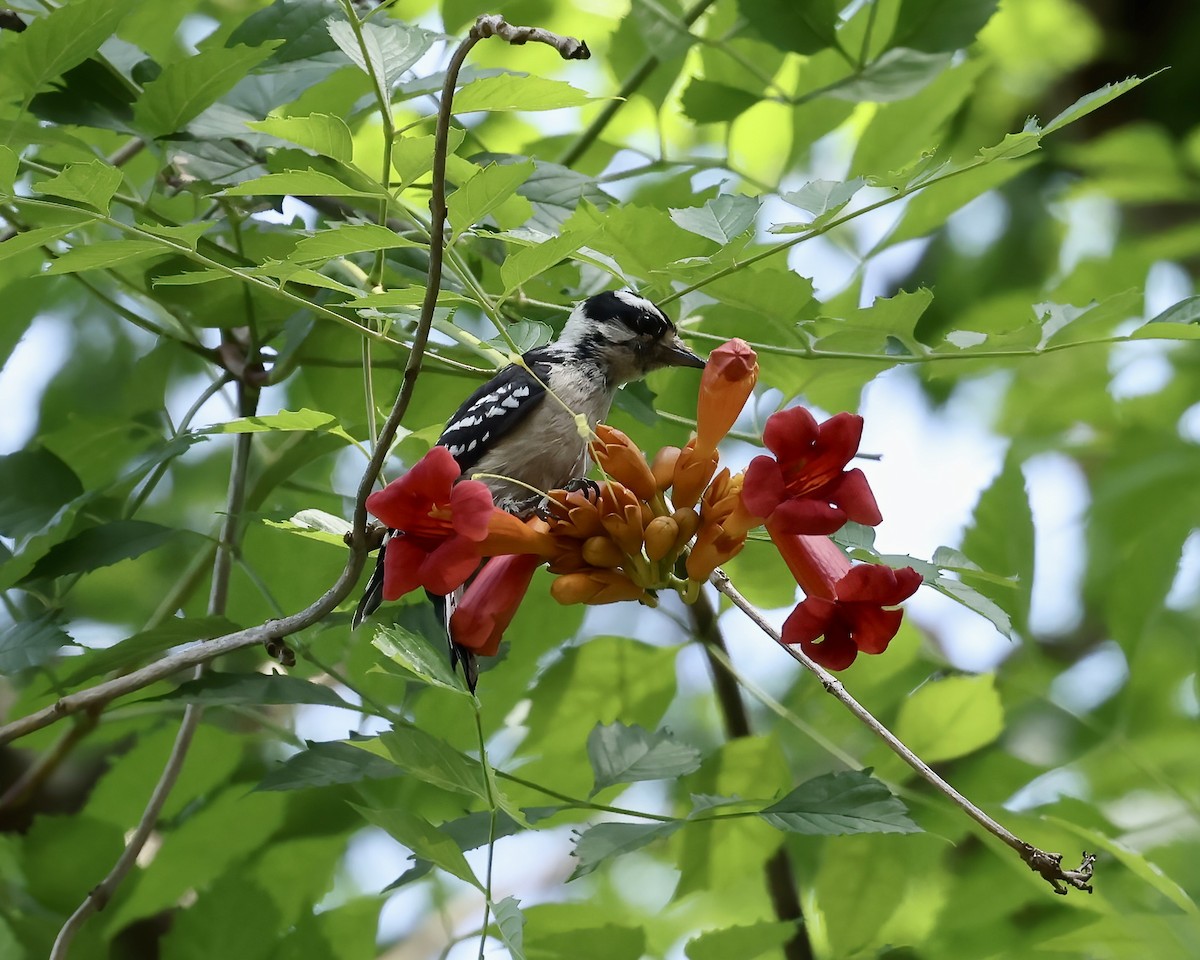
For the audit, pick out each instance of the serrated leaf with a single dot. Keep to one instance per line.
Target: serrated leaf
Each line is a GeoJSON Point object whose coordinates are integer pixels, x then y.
{"type": "Point", "coordinates": [822, 198]}
{"type": "Point", "coordinates": [896, 75]}
{"type": "Point", "coordinates": [523, 265]}
{"type": "Point", "coordinates": [32, 239]}
{"type": "Point", "coordinates": [92, 183]}
{"type": "Point", "coordinates": [391, 48]}
{"type": "Point", "coordinates": [423, 839]}
{"type": "Point", "coordinates": [622, 754]}
{"type": "Point", "coordinates": [943, 25]}
{"type": "Point", "coordinates": [133, 649]}
{"type": "Point", "coordinates": [300, 24]}
{"type": "Point", "coordinates": [299, 183]}
{"type": "Point", "coordinates": [851, 801]}
{"type": "Point", "coordinates": [509, 91]}
{"type": "Point", "coordinates": [304, 420]}
{"type": "Point", "coordinates": [351, 238]}
{"type": "Point", "coordinates": [327, 763]}
{"type": "Point", "coordinates": [30, 643]}
{"type": "Point", "coordinates": [1093, 101]}
{"type": "Point", "coordinates": [951, 717]}
{"type": "Point", "coordinates": [432, 760]}
{"type": "Point", "coordinates": [484, 192]}
{"type": "Point", "coordinates": [413, 156]}
{"type": "Point", "coordinates": [419, 657]}
{"type": "Point", "coordinates": [1185, 311]}
{"type": "Point", "coordinates": [34, 484]}
{"type": "Point", "coordinates": [807, 27]}
{"type": "Point", "coordinates": [107, 254]}
{"type": "Point", "coordinates": [101, 546]}
{"type": "Point", "coordinates": [707, 102]}
{"type": "Point", "coordinates": [510, 923]}
{"type": "Point", "coordinates": [721, 219]}
{"type": "Point", "coordinates": [52, 45]}
{"type": "Point", "coordinates": [1000, 539]}
{"type": "Point", "coordinates": [319, 132]}
{"type": "Point", "coordinates": [253, 689]}
{"type": "Point", "coordinates": [745, 943]}
{"type": "Point", "coordinates": [597, 843]}
{"type": "Point", "coordinates": [185, 88]}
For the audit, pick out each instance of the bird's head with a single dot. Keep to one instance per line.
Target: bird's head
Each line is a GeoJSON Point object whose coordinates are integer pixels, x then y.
{"type": "Point", "coordinates": [627, 335]}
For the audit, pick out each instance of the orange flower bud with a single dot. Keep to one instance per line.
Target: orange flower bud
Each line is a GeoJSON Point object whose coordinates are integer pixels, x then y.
{"type": "Point", "coordinates": [623, 461]}
{"type": "Point", "coordinates": [508, 535]}
{"type": "Point", "coordinates": [602, 552]}
{"type": "Point", "coordinates": [728, 380]}
{"type": "Point", "coordinates": [595, 586]}
{"type": "Point", "coordinates": [625, 527]}
{"type": "Point", "coordinates": [664, 466]}
{"type": "Point", "coordinates": [693, 470]}
{"type": "Point", "coordinates": [688, 523]}
{"type": "Point", "coordinates": [662, 533]}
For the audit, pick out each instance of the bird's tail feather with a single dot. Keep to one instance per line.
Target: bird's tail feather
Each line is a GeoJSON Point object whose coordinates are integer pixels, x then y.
{"type": "Point", "coordinates": [373, 594]}
{"type": "Point", "coordinates": [444, 607]}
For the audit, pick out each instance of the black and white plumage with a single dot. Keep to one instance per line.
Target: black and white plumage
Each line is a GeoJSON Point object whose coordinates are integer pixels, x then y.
{"type": "Point", "coordinates": [519, 430]}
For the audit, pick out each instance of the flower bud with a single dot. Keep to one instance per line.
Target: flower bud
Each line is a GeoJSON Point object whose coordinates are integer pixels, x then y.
{"type": "Point", "coordinates": [662, 533]}
{"type": "Point", "coordinates": [693, 470]}
{"type": "Point", "coordinates": [623, 461]}
{"type": "Point", "coordinates": [664, 466]}
{"type": "Point", "coordinates": [595, 586]}
{"type": "Point", "coordinates": [728, 380]}
{"type": "Point", "coordinates": [602, 552]}
{"type": "Point", "coordinates": [688, 523]}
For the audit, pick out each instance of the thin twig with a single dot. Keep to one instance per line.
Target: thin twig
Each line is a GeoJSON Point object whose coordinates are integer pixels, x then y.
{"type": "Point", "coordinates": [100, 895]}
{"type": "Point", "coordinates": [781, 879]}
{"type": "Point", "coordinates": [1048, 865]}
{"type": "Point", "coordinates": [358, 540]}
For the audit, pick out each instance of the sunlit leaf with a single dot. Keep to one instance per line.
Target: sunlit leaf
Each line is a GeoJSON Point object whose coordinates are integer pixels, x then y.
{"type": "Point", "coordinates": [720, 219]}
{"type": "Point", "coordinates": [434, 761]}
{"type": "Point", "coordinates": [52, 45]}
{"type": "Point", "coordinates": [299, 183]}
{"type": "Point", "coordinates": [484, 192]}
{"type": "Point", "coordinates": [746, 943]}
{"type": "Point", "coordinates": [625, 754]}
{"type": "Point", "coordinates": [940, 24]}
{"type": "Point", "coordinates": [92, 183]}
{"type": "Point", "coordinates": [325, 764]}
{"type": "Point", "coordinates": [419, 657]}
{"type": "Point", "coordinates": [510, 922]}
{"type": "Point", "coordinates": [234, 689]}
{"type": "Point", "coordinates": [511, 92]}
{"type": "Point", "coordinates": [604, 840]}
{"type": "Point", "coordinates": [102, 546]}
{"type": "Point", "coordinates": [423, 839]}
{"type": "Point", "coordinates": [951, 717]}
{"type": "Point", "coordinates": [320, 132]}
{"type": "Point", "coordinates": [837, 803]}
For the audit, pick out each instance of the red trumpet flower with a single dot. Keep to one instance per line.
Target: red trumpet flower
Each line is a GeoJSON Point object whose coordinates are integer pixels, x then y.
{"type": "Point", "coordinates": [805, 488]}
{"type": "Point", "coordinates": [852, 607]}
{"type": "Point", "coordinates": [491, 602]}
{"type": "Point", "coordinates": [439, 522]}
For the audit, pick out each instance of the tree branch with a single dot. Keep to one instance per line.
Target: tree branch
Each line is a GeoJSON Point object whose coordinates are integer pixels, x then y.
{"type": "Point", "coordinates": [781, 880]}
{"type": "Point", "coordinates": [1048, 865]}
{"type": "Point", "coordinates": [358, 539]}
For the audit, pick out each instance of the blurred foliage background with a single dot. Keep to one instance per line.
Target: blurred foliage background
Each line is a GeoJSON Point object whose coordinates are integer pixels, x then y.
{"type": "Point", "coordinates": [156, 202]}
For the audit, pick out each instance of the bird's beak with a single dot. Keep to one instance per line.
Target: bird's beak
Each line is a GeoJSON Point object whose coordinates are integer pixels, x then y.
{"type": "Point", "coordinates": [674, 353]}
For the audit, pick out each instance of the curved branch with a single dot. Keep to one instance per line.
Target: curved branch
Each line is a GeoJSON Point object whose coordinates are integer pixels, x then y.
{"type": "Point", "coordinates": [1048, 865]}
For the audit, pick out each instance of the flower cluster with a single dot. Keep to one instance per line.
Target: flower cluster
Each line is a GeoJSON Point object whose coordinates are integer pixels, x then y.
{"type": "Point", "coordinates": [662, 525]}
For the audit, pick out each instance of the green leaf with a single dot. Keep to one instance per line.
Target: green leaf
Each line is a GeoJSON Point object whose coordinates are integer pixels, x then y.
{"type": "Point", "coordinates": [101, 546]}
{"type": "Point", "coordinates": [303, 420]}
{"type": "Point", "coordinates": [253, 689]}
{"type": "Point", "coordinates": [509, 91]}
{"type": "Point", "coordinates": [510, 923]}
{"type": "Point", "coordinates": [951, 717]}
{"type": "Point", "coordinates": [806, 27]}
{"type": "Point", "coordinates": [432, 760]}
{"type": "Point", "coordinates": [52, 45]}
{"type": "Point", "coordinates": [327, 763]}
{"type": "Point", "coordinates": [822, 198]}
{"type": "Point", "coordinates": [1093, 101]}
{"type": "Point", "coordinates": [423, 839]}
{"type": "Point", "coordinates": [523, 265]}
{"type": "Point", "coordinates": [34, 485]}
{"type": "Point", "coordinates": [134, 649]}
{"type": "Point", "coordinates": [9, 164]}
{"type": "Point", "coordinates": [413, 156]}
{"type": "Point", "coordinates": [92, 183]}
{"type": "Point", "coordinates": [597, 843]}
{"type": "Point", "coordinates": [300, 24]}
{"type": "Point", "coordinates": [418, 656]}
{"type": "Point", "coordinates": [484, 192]}
{"type": "Point", "coordinates": [186, 87]}
{"type": "Point", "coordinates": [935, 25]}
{"type": "Point", "coordinates": [1000, 541]}
{"type": "Point", "coordinates": [897, 75]}
{"type": "Point", "coordinates": [107, 254]}
{"type": "Point", "coordinates": [320, 132]}
{"type": "Point", "coordinates": [745, 943]}
{"type": "Point", "coordinates": [299, 183]}
{"type": "Point", "coordinates": [626, 754]}
{"type": "Point", "coordinates": [346, 239]}
{"type": "Point", "coordinates": [1186, 311]}
{"type": "Point", "coordinates": [32, 239]}
{"type": "Point", "coordinates": [721, 219]}
{"type": "Point", "coordinates": [851, 801]}
{"type": "Point", "coordinates": [391, 48]}
{"type": "Point", "coordinates": [316, 525]}
{"type": "Point", "coordinates": [707, 102]}
{"type": "Point", "coordinates": [30, 644]}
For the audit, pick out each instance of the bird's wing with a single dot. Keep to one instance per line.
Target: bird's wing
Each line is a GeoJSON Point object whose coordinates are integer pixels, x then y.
{"type": "Point", "coordinates": [494, 409]}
